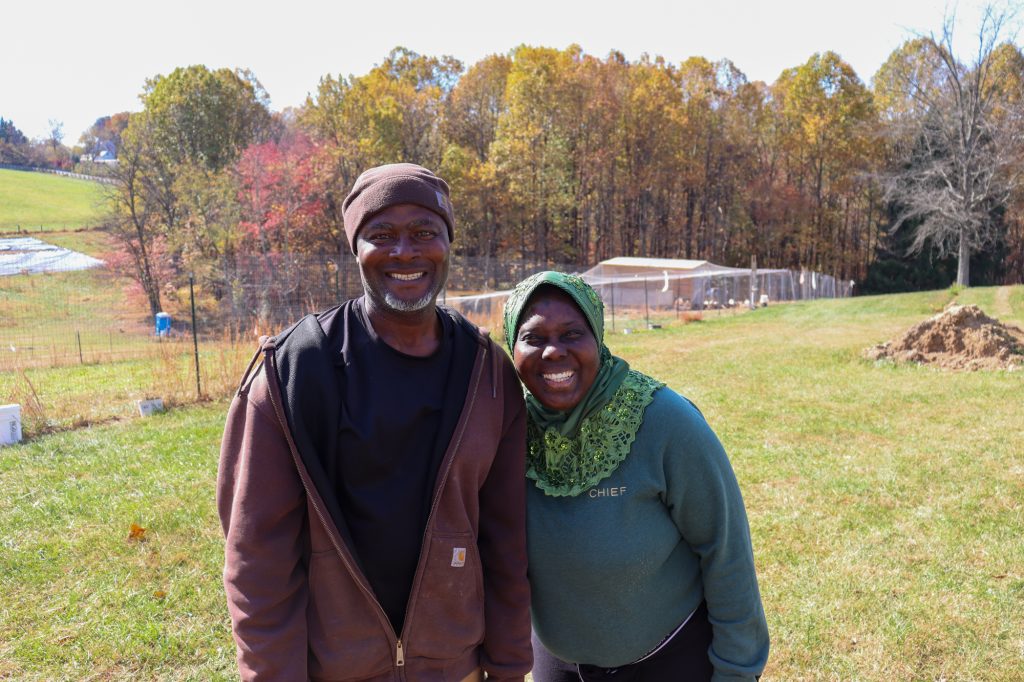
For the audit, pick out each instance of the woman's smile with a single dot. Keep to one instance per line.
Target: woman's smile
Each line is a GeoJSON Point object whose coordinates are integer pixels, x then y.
{"type": "Point", "coordinates": [559, 378]}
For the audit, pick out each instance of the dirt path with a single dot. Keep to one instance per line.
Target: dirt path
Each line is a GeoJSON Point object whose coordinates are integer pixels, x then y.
{"type": "Point", "coordinates": [1002, 303]}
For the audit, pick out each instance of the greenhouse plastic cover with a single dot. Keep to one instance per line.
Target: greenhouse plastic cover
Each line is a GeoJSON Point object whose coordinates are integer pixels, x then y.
{"type": "Point", "coordinates": [28, 255]}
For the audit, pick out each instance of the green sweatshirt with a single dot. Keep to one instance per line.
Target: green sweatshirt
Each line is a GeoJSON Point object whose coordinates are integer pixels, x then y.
{"type": "Point", "coordinates": [618, 567]}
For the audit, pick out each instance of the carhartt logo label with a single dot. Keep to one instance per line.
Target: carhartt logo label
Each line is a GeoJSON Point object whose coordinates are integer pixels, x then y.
{"type": "Point", "coordinates": [458, 557]}
{"type": "Point", "coordinates": [442, 201]}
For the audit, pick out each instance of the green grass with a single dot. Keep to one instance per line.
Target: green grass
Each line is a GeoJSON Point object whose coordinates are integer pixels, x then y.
{"type": "Point", "coordinates": [93, 242]}
{"type": "Point", "coordinates": [41, 200]}
{"type": "Point", "coordinates": [884, 501]}
{"type": "Point", "coordinates": [82, 601]}
{"type": "Point", "coordinates": [886, 505]}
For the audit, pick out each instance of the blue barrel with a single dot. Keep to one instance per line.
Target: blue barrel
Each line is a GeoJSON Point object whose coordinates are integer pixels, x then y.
{"type": "Point", "coordinates": [163, 324]}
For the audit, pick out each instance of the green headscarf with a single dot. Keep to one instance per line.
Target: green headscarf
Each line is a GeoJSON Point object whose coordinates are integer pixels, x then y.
{"type": "Point", "coordinates": [570, 452]}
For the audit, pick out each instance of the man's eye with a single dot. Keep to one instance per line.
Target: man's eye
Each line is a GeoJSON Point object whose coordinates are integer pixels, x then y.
{"type": "Point", "coordinates": [427, 234]}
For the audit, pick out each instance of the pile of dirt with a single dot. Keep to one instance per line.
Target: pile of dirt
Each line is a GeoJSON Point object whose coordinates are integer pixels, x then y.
{"type": "Point", "coordinates": [960, 337]}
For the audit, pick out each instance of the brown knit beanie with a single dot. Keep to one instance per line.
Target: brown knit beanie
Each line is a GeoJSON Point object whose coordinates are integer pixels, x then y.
{"type": "Point", "coordinates": [392, 184]}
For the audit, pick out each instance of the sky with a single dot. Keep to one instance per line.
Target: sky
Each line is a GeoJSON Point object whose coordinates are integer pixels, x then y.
{"type": "Point", "coordinates": [73, 61]}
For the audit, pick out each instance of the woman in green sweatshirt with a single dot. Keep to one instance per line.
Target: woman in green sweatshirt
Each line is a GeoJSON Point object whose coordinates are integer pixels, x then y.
{"type": "Point", "coordinates": [640, 560]}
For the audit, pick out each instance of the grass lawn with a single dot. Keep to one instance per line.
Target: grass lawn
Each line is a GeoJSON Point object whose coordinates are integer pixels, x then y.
{"type": "Point", "coordinates": [886, 505]}
{"type": "Point", "coordinates": [92, 242]}
{"type": "Point", "coordinates": [83, 601]}
{"type": "Point", "coordinates": [51, 202]}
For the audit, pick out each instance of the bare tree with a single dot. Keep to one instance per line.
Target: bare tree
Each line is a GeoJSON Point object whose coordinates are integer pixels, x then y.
{"type": "Point", "coordinates": [135, 220]}
{"type": "Point", "coordinates": [56, 137]}
{"type": "Point", "coordinates": [56, 133]}
{"type": "Point", "coordinates": [964, 133]}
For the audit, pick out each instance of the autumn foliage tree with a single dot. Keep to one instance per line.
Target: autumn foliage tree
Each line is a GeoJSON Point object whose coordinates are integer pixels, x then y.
{"type": "Point", "coordinates": [557, 156]}
{"type": "Point", "coordinates": [170, 181]}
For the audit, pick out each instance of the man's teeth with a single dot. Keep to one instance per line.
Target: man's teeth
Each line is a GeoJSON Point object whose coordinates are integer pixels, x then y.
{"type": "Point", "coordinates": [560, 376]}
{"type": "Point", "coordinates": [406, 278]}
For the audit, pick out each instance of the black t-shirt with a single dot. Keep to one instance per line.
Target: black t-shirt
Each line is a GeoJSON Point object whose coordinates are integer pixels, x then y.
{"type": "Point", "coordinates": [397, 417]}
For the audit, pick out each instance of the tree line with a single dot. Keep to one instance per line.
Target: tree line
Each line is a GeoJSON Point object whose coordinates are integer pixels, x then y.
{"type": "Point", "coordinates": [560, 156]}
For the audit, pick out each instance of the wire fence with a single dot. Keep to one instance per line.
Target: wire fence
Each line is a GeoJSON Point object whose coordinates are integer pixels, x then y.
{"type": "Point", "coordinates": [80, 347]}
{"type": "Point", "coordinates": [650, 295]}
{"type": "Point", "coordinates": [58, 171]}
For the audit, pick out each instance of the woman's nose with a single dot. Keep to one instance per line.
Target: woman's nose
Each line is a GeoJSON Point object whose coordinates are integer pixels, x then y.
{"type": "Point", "coordinates": [553, 351]}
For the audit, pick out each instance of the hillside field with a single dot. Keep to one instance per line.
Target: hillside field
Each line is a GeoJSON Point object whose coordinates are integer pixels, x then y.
{"type": "Point", "coordinates": [42, 201]}
{"type": "Point", "coordinates": [886, 504]}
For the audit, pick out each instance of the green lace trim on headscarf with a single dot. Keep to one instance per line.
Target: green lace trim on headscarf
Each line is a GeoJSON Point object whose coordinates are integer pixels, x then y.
{"type": "Point", "coordinates": [564, 466]}
{"type": "Point", "coordinates": [569, 452]}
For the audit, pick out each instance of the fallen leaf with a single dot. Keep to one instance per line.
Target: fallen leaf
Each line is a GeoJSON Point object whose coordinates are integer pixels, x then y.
{"type": "Point", "coordinates": [159, 594]}
{"type": "Point", "coordinates": [136, 532]}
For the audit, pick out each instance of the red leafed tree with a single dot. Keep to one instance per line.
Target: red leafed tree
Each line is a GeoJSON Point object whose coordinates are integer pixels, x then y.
{"type": "Point", "coordinates": [284, 197]}
{"type": "Point", "coordinates": [289, 207]}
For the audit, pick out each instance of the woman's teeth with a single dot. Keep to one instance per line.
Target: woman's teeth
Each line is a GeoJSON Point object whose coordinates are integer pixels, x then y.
{"type": "Point", "coordinates": [559, 377]}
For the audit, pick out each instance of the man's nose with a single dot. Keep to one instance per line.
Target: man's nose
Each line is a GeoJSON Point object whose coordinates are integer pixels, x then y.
{"type": "Point", "coordinates": [404, 246]}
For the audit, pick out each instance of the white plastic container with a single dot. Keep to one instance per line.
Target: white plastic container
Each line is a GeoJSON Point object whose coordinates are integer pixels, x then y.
{"type": "Point", "coordinates": [10, 424]}
{"type": "Point", "coordinates": [150, 406]}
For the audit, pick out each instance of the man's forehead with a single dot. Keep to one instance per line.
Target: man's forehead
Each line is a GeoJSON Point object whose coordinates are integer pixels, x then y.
{"type": "Point", "coordinates": [404, 214]}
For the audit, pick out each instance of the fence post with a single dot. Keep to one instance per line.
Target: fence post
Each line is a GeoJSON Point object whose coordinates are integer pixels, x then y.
{"type": "Point", "coordinates": [78, 338]}
{"type": "Point", "coordinates": [676, 301]}
{"type": "Point", "coordinates": [753, 282]}
{"type": "Point", "coordinates": [647, 315]}
{"type": "Point", "coordinates": [195, 335]}
{"type": "Point", "coordinates": [613, 305]}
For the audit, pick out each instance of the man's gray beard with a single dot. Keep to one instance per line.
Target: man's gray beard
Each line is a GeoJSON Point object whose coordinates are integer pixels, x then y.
{"type": "Point", "coordinates": [409, 306]}
{"type": "Point", "coordinates": [394, 303]}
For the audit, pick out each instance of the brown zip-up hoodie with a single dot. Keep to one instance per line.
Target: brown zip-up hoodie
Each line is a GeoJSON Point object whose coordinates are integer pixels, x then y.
{"type": "Point", "coordinates": [300, 606]}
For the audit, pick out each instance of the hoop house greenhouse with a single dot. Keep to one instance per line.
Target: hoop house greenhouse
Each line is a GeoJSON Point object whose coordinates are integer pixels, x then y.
{"type": "Point", "coordinates": [656, 287]}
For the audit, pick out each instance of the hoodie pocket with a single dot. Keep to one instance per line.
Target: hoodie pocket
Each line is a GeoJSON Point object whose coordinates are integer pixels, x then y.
{"type": "Point", "coordinates": [346, 638]}
{"type": "Point", "coordinates": [448, 613]}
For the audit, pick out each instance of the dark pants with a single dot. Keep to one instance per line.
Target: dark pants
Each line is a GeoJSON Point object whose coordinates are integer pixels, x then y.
{"type": "Point", "coordinates": [683, 659]}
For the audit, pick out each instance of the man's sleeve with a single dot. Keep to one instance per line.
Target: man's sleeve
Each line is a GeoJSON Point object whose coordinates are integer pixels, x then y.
{"type": "Point", "coordinates": [262, 510]}
{"type": "Point", "coordinates": [507, 653]}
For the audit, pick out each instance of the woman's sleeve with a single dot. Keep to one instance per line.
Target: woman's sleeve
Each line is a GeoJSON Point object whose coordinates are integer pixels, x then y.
{"type": "Point", "coordinates": [705, 503]}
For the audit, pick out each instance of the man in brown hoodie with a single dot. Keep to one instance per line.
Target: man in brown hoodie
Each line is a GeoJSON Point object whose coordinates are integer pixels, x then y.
{"type": "Point", "coordinates": [371, 482]}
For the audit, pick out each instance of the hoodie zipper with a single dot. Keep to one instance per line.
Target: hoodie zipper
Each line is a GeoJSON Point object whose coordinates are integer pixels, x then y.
{"type": "Point", "coordinates": [339, 545]}
{"type": "Point", "coordinates": [461, 432]}
{"type": "Point", "coordinates": [331, 531]}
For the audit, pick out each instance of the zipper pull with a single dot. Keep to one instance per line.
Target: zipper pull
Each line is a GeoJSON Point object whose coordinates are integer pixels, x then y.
{"type": "Point", "coordinates": [400, 655]}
